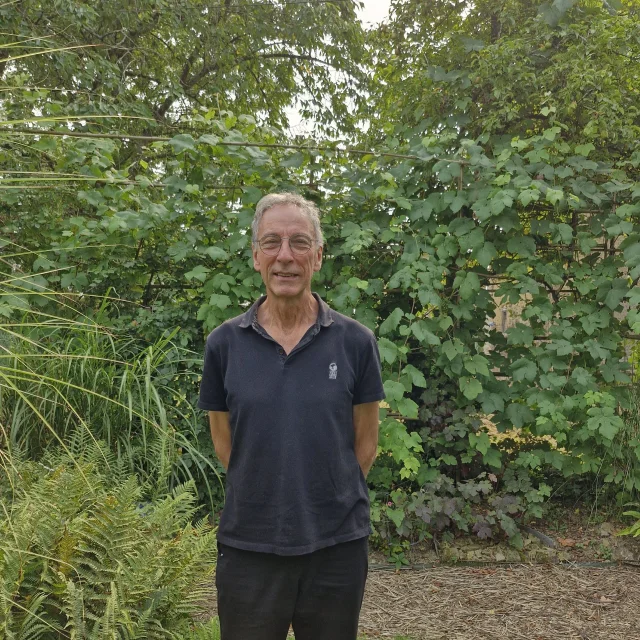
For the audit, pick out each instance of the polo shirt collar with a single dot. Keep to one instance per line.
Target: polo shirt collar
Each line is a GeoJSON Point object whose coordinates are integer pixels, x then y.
{"type": "Point", "coordinates": [324, 319]}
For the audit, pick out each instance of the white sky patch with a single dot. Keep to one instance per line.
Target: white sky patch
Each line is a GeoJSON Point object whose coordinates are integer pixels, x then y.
{"type": "Point", "coordinates": [373, 11]}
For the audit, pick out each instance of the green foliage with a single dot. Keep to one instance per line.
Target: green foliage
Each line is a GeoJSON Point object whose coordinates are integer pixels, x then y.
{"type": "Point", "coordinates": [507, 66]}
{"type": "Point", "coordinates": [82, 557]}
{"type": "Point", "coordinates": [69, 379]}
{"type": "Point", "coordinates": [161, 59]}
{"type": "Point", "coordinates": [634, 529]}
{"type": "Point", "coordinates": [487, 192]}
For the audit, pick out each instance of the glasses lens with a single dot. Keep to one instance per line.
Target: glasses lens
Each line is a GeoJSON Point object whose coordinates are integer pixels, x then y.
{"type": "Point", "coordinates": [300, 244]}
{"type": "Point", "coordinates": [271, 245]}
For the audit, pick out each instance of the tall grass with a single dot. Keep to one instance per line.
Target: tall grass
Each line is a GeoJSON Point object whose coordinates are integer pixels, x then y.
{"type": "Point", "coordinates": [67, 378]}
{"type": "Point", "coordinates": [626, 448]}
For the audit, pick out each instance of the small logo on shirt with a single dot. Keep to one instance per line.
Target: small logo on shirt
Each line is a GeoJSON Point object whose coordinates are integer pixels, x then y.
{"type": "Point", "coordinates": [333, 371]}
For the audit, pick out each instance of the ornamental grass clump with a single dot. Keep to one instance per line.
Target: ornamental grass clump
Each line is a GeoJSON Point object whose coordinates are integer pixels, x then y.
{"type": "Point", "coordinates": [67, 375]}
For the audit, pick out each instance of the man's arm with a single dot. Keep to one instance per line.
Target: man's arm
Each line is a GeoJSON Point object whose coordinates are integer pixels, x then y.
{"type": "Point", "coordinates": [365, 423]}
{"type": "Point", "coordinates": [221, 435]}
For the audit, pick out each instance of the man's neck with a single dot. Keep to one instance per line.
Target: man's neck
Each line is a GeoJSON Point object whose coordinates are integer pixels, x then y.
{"type": "Point", "coordinates": [288, 315]}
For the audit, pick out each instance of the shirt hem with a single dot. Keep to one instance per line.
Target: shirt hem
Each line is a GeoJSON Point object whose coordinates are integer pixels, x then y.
{"type": "Point", "coordinates": [363, 532]}
{"type": "Point", "coordinates": [373, 397]}
{"type": "Point", "coordinates": [211, 407]}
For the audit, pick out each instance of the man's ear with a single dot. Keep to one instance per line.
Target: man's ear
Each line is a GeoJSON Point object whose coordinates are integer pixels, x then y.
{"type": "Point", "coordinates": [318, 263]}
{"type": "Point", "coordinates": [256, 259]}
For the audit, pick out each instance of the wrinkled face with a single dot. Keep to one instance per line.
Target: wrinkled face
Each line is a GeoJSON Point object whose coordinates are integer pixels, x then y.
{"type": "Point", "coordinates": [286, 274]}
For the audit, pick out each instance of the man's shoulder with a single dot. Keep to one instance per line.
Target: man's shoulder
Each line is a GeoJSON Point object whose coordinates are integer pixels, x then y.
{"type": "Point", "coordinates": [228, 330]}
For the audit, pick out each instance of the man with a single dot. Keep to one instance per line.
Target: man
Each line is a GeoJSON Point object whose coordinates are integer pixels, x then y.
{"type": "Point", "coordinates": [292, 389]}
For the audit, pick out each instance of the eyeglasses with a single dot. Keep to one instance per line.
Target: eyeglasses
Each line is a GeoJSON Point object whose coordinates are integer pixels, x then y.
{"type": "Point", "coordinates": [299, 244]}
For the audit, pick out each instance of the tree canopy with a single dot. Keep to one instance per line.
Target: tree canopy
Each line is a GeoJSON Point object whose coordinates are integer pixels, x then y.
{"type": "Point", "coordinates": [163, 59]}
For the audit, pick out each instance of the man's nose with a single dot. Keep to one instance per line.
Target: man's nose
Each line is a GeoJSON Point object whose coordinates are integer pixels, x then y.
{"type": "Point", "coordinates": [285, 252]}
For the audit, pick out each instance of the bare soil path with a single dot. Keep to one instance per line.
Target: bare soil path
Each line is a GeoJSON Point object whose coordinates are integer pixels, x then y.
{"type": "Point", "coordinates": [532, 602]}
{"type": "Point", "coordinates": [541, 592]}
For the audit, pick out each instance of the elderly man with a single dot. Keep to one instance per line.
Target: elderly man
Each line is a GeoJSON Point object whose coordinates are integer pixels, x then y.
{"type": "Point", "coordinates": [292, 389]}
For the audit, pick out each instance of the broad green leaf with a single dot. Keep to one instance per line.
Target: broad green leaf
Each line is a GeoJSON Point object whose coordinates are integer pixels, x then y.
{"type": "Point", "coordinates": [470, 286]}
{"type": "Point", "coordinates": [393, 390]}
{"type": "Point", "coordinates": [551, 133]}
{"type": "Point", "coordinates": [293, 161]}
{"type": "Point", "coordinates": [216, 253]}
{"type": "Point", "coordinates": [450, 349]}
{"type": "Point", "coordinates": [388, 350]}
{"type": "Point", "coordinates": [471, 241]}
{"type": "Point", "coordinates": [197, 273]}
{"type": "Point", "coordinates": [428, 296]}
{"type": "Point", "coordinates": [251, 195]}
{"type": "Point", "coordinates": [485, 254]}
{"type": "Point", "coordinates": [524, 369]}
{"type": "Point", "coordinates": [396, 516]}
{"type": "Point", "coordinates": [519, 414]}
{"type": "Point", "coordinates": [219, 301]}
{"type": "Point", "coordinates": [417, 377]}
{"type": "Point", "coordinates": [183, 142]}
{"type": "Point", "coordinates": [520, 334]}
{"type": "Point", "coordinates": [554, 195]}
{"type": "Point", "coordinates": [563, 5]}
{"type": "Point", "coordinates": [493, 457]}
{"type": "Point", "coordinates": [392, 321]}
{"type": "Point", "coordinates": [358, 284]}
{"type": "Point", "coordinates": [470, 387]}
{"type": "Point", "coordinates": [403, 203]}
{"type": "Point", "coordinates": [461, 226]}
{"type": "Point", "coordinates": [522, 245]}
{"type": "Point", "coordinates": [472, 44]}
{"type": "Point", "coordinates": [582, 376]}
{"type": "Point", "coordinates": [564, 232]}
{"type": "Point", "coordinates": [209, 138]}
{"type": "Point", "coordinates": [584, 149]}
{"type": "Point", "coordinates": [615, 297]}
{"type": "Point", "coordinates": [632, 254]}
{"type": "Point", "coordinates": [422, 333]}
{"type": "Point", "coordinates": [408, 408]}
{"type": "Point", "coordinates": [480, 441]}
{"type": "Point", "coordinates": [491, 402]}
{"type": "Point", "coordinates": [528, 195]}
{"type": "Point", "coordinates": [445, 322]}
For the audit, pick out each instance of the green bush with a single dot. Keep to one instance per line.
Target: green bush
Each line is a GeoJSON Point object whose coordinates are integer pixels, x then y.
{"type": "Point", "coordinates": [69, 372]}
{"type": "Point", "coordinates": [81, 556]}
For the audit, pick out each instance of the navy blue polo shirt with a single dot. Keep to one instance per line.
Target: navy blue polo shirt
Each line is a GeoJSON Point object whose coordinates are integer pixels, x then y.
{"type": "Point", "coordinates": [294, 484]}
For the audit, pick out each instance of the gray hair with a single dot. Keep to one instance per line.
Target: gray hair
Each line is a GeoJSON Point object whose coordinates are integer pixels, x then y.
{"type": "Point", "coordinates": [305, 206]}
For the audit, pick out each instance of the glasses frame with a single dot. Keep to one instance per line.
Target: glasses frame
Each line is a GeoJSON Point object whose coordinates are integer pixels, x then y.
{"type": "Point", "coordinates": [282, 238]}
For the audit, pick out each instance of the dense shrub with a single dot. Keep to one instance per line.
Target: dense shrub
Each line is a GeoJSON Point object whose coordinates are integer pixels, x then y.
{"type": "Point", "coordinates": [82, 557]}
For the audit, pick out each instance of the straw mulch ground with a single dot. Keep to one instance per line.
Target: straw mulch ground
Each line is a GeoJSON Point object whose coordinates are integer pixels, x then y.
{"type": "Point", "coordinates": [532, 602]}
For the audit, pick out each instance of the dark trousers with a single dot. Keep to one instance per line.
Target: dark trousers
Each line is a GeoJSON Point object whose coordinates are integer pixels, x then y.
{"type": "Point", "coordinates": [319, 593]}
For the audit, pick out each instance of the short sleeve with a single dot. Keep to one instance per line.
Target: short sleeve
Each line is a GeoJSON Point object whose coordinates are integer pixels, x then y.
{"type": "Point", "coordinates": [369, 383]}
{"type": "Point", "coordinates": [212, 392]}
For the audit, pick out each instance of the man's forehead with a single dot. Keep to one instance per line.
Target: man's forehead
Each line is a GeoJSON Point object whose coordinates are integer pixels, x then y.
{"type": "Point", "coordinates": [285, 215]}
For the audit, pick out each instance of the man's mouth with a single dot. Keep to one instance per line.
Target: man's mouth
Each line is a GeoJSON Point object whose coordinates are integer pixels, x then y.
{"type": "Point", "coordinates": [280, 274]}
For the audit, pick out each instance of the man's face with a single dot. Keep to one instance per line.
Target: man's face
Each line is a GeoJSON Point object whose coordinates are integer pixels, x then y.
{"type": "Point", "coordinates": [286, 274]}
